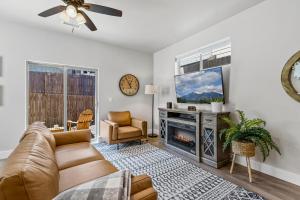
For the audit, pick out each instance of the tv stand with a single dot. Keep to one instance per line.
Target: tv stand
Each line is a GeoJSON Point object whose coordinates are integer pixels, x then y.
{"type": "Point", "coordinates": [194, 134]}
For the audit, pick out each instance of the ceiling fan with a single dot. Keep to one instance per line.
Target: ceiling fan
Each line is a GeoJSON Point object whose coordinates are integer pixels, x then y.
{"type": "Point", "coordinates": [72, 13]}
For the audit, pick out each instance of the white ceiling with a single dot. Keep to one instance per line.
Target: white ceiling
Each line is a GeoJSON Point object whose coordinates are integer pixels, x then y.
{"type": "Point", "coordinates": [146, 25]}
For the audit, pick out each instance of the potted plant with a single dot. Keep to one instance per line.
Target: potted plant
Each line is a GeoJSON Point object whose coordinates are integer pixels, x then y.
{"type": "Point", "coordinates": [247, 134]}
{"type": "Point", "coordinates": [216, 105]}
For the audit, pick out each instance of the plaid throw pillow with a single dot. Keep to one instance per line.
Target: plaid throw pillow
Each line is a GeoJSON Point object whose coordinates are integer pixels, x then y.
{"type": "Point", "coordinates": [115, 186]}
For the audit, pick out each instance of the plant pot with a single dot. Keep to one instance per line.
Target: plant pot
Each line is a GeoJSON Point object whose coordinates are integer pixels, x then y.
{"type": "Point", "coordinates": [216, 107]}
{"type": "Point", "coordinates": [243, 148]}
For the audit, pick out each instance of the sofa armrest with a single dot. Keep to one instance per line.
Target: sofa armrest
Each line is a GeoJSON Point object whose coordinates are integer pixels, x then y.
{"type": "Point", "coordinates": [141, 188]}
{"type": "Point", "coordinates": [109, 130]}
{"type": "Point", "coordinates": [139, 183]}
{"type": "Point", "coordinates": [70, 137]}
{"type": "Point", "coordinates": [137, 123]}
{"type": "Point", "coordinates": [147, 194]}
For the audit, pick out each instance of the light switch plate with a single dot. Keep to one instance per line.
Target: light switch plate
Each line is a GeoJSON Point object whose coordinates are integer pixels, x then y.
{"type": "Point", "coordinates": [1, 95]}
{"type": "Point", "coordinates": [1, 66]}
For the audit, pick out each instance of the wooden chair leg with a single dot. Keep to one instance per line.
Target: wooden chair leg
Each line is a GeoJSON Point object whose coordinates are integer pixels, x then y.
{"type": "Point", "coordinates": [117, 146]}
{"type": "Point", "coordinates": [232, 163]}
{"type": "Point", "coordinates": [249, 169]}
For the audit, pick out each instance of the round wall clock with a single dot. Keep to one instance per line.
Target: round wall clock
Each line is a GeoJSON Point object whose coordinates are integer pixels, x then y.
{"type": "Point", "coordinates": [129, 85]}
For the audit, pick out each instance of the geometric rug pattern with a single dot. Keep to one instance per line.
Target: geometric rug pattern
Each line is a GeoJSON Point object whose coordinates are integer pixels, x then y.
{"type": "Point", "coordinates": [173, 177]}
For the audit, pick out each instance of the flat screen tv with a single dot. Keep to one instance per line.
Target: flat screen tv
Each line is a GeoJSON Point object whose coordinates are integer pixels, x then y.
{"type": "Point", "coordinates": [201, 87]}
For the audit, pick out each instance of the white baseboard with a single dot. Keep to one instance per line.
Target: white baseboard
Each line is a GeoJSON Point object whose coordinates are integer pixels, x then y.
{"type": "Point", "coordinates": [5, 154]}
{"type": "Point", "coordinates": [272, 171]}
{"type": "Point", "coordinates": [154, 130]}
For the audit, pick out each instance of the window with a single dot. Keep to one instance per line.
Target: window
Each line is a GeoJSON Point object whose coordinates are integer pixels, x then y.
{"type": "Point", "coordinates": [216, 54]}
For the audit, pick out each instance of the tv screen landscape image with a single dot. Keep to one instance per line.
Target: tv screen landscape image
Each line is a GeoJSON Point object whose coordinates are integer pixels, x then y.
{"type": "Point", "coordinates": [201, 87]}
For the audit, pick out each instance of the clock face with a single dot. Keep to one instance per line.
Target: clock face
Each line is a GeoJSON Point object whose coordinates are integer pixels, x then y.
{"type": "Point", "coordinates": [129, 85]}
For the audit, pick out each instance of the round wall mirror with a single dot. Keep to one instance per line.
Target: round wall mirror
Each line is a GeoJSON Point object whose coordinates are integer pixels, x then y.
{"type": "Point", "coordinates": [290, 77]}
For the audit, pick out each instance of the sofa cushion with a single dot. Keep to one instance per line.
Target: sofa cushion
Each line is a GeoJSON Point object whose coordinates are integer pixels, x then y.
{"type": "Point", "coordinates": [40, 128]}
{"type": "Point", "coordinates": [121, 118]}
{"type": "Point", "coordinates": [73, 176]}
{"type": "Point", "coordinates": [30, 172]}
{"type": "Point", "coordinates": [128, 132]}
{"type": "Point", "coordinates": [71, 155]}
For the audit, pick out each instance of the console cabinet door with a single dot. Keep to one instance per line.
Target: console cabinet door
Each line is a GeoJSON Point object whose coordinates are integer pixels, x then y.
{"type": "Point", "coordinates": [162, 127]}
{"type": "Point", "coordinates": [162, 124]}
{"type": "Point", "coordinates": [209, 141]}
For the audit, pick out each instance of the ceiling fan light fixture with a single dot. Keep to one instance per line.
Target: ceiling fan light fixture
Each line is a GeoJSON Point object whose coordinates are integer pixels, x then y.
{"type": "Point", "coordinates": [80, 19]}
{"type": "Point", "coordinates": [73, 15]}
{"type": "Point", "coordinates": [64, 16]}
{"type": "Point", "coordinates": [71, 11]}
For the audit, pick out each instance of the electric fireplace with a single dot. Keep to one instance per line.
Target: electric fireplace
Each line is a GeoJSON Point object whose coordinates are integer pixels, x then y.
{"type": "Point", "coordinates": [182, 136]}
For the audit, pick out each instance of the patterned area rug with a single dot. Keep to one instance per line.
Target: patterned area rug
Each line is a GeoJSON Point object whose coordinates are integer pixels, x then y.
{"type": "Point", "coordinates": [173, 177]}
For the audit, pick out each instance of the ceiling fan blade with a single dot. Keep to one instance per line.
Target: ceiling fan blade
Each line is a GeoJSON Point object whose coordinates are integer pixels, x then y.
{"type": "Point", "coordinates": [88, 22]}
{"type": "Point", "coordinates": [52, 11]}
{"type": "Point", "coordinates": [102, 9]}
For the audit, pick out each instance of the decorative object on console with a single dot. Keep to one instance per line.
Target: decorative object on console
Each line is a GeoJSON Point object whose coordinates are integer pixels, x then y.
{"type": "Point", "coordinates": [151, 90]}
{"type": "Point", "coordinates": [244, 136]}
{"type": "Point", "coordinates": [216, 106]}
{"type": "Point", "coordinates": [169, 105]}
{"type": "Point", "coordinates": [74, 16]}
{"type": "Point", "coordinates": [192, 108]}
{"type": "Point", "coordinates": [205, 86]}
{"type": "Point", "coordinates": [290, 77]}
{"type": "Point", "coordinates": [129, 85]}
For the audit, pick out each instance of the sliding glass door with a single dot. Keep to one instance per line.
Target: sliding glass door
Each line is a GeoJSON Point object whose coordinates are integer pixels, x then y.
{"type": "Point", "coordinates": [81, 94]}
{"type": "Point", "coordinates": [59, 95]}
{"type": "Point", "coordinates": [46, 95]}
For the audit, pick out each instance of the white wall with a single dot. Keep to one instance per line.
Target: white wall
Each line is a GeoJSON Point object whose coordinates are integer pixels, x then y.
{"type": "Point", "coordinates": [263, 38]}
{"type": "Point", "coordinates": [19, 43]}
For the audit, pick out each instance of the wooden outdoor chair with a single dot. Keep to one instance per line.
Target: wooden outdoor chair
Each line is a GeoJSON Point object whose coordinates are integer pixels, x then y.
{"type": "Point", "coordinates": [84, 120]}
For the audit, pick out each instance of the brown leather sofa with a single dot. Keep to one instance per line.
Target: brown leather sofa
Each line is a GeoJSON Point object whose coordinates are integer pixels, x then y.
{"type": "Point", "coordinates": [45, 164]}
{"type": "Point", "coordinates": [121, 127]}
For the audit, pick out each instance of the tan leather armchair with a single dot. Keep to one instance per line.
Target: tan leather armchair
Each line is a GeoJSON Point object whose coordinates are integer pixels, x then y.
{"type": "Point", "coordinates": [121, 127]}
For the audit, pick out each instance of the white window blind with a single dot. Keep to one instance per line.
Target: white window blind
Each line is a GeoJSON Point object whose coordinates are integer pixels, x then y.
{"type": "Point", "coordinates": [216, 54]}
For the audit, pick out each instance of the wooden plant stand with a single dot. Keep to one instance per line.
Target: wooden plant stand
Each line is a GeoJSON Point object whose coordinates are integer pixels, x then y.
{"type": "Point", "coordinates": [246, 149]}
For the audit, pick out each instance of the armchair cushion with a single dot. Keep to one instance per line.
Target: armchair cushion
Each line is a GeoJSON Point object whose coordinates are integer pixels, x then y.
{"type": "Point", "coordinates": [126, 132]}
{"type": "Point", "coordinates": [121, 118]}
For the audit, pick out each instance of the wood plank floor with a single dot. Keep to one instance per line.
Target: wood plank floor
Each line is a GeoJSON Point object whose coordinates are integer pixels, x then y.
{"type": "Point", "coordinates": [269, 187]}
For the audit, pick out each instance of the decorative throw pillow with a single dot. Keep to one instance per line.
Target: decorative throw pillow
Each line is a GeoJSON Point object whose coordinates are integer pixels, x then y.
{"type": "Point", "coordinates": [115, 186]}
